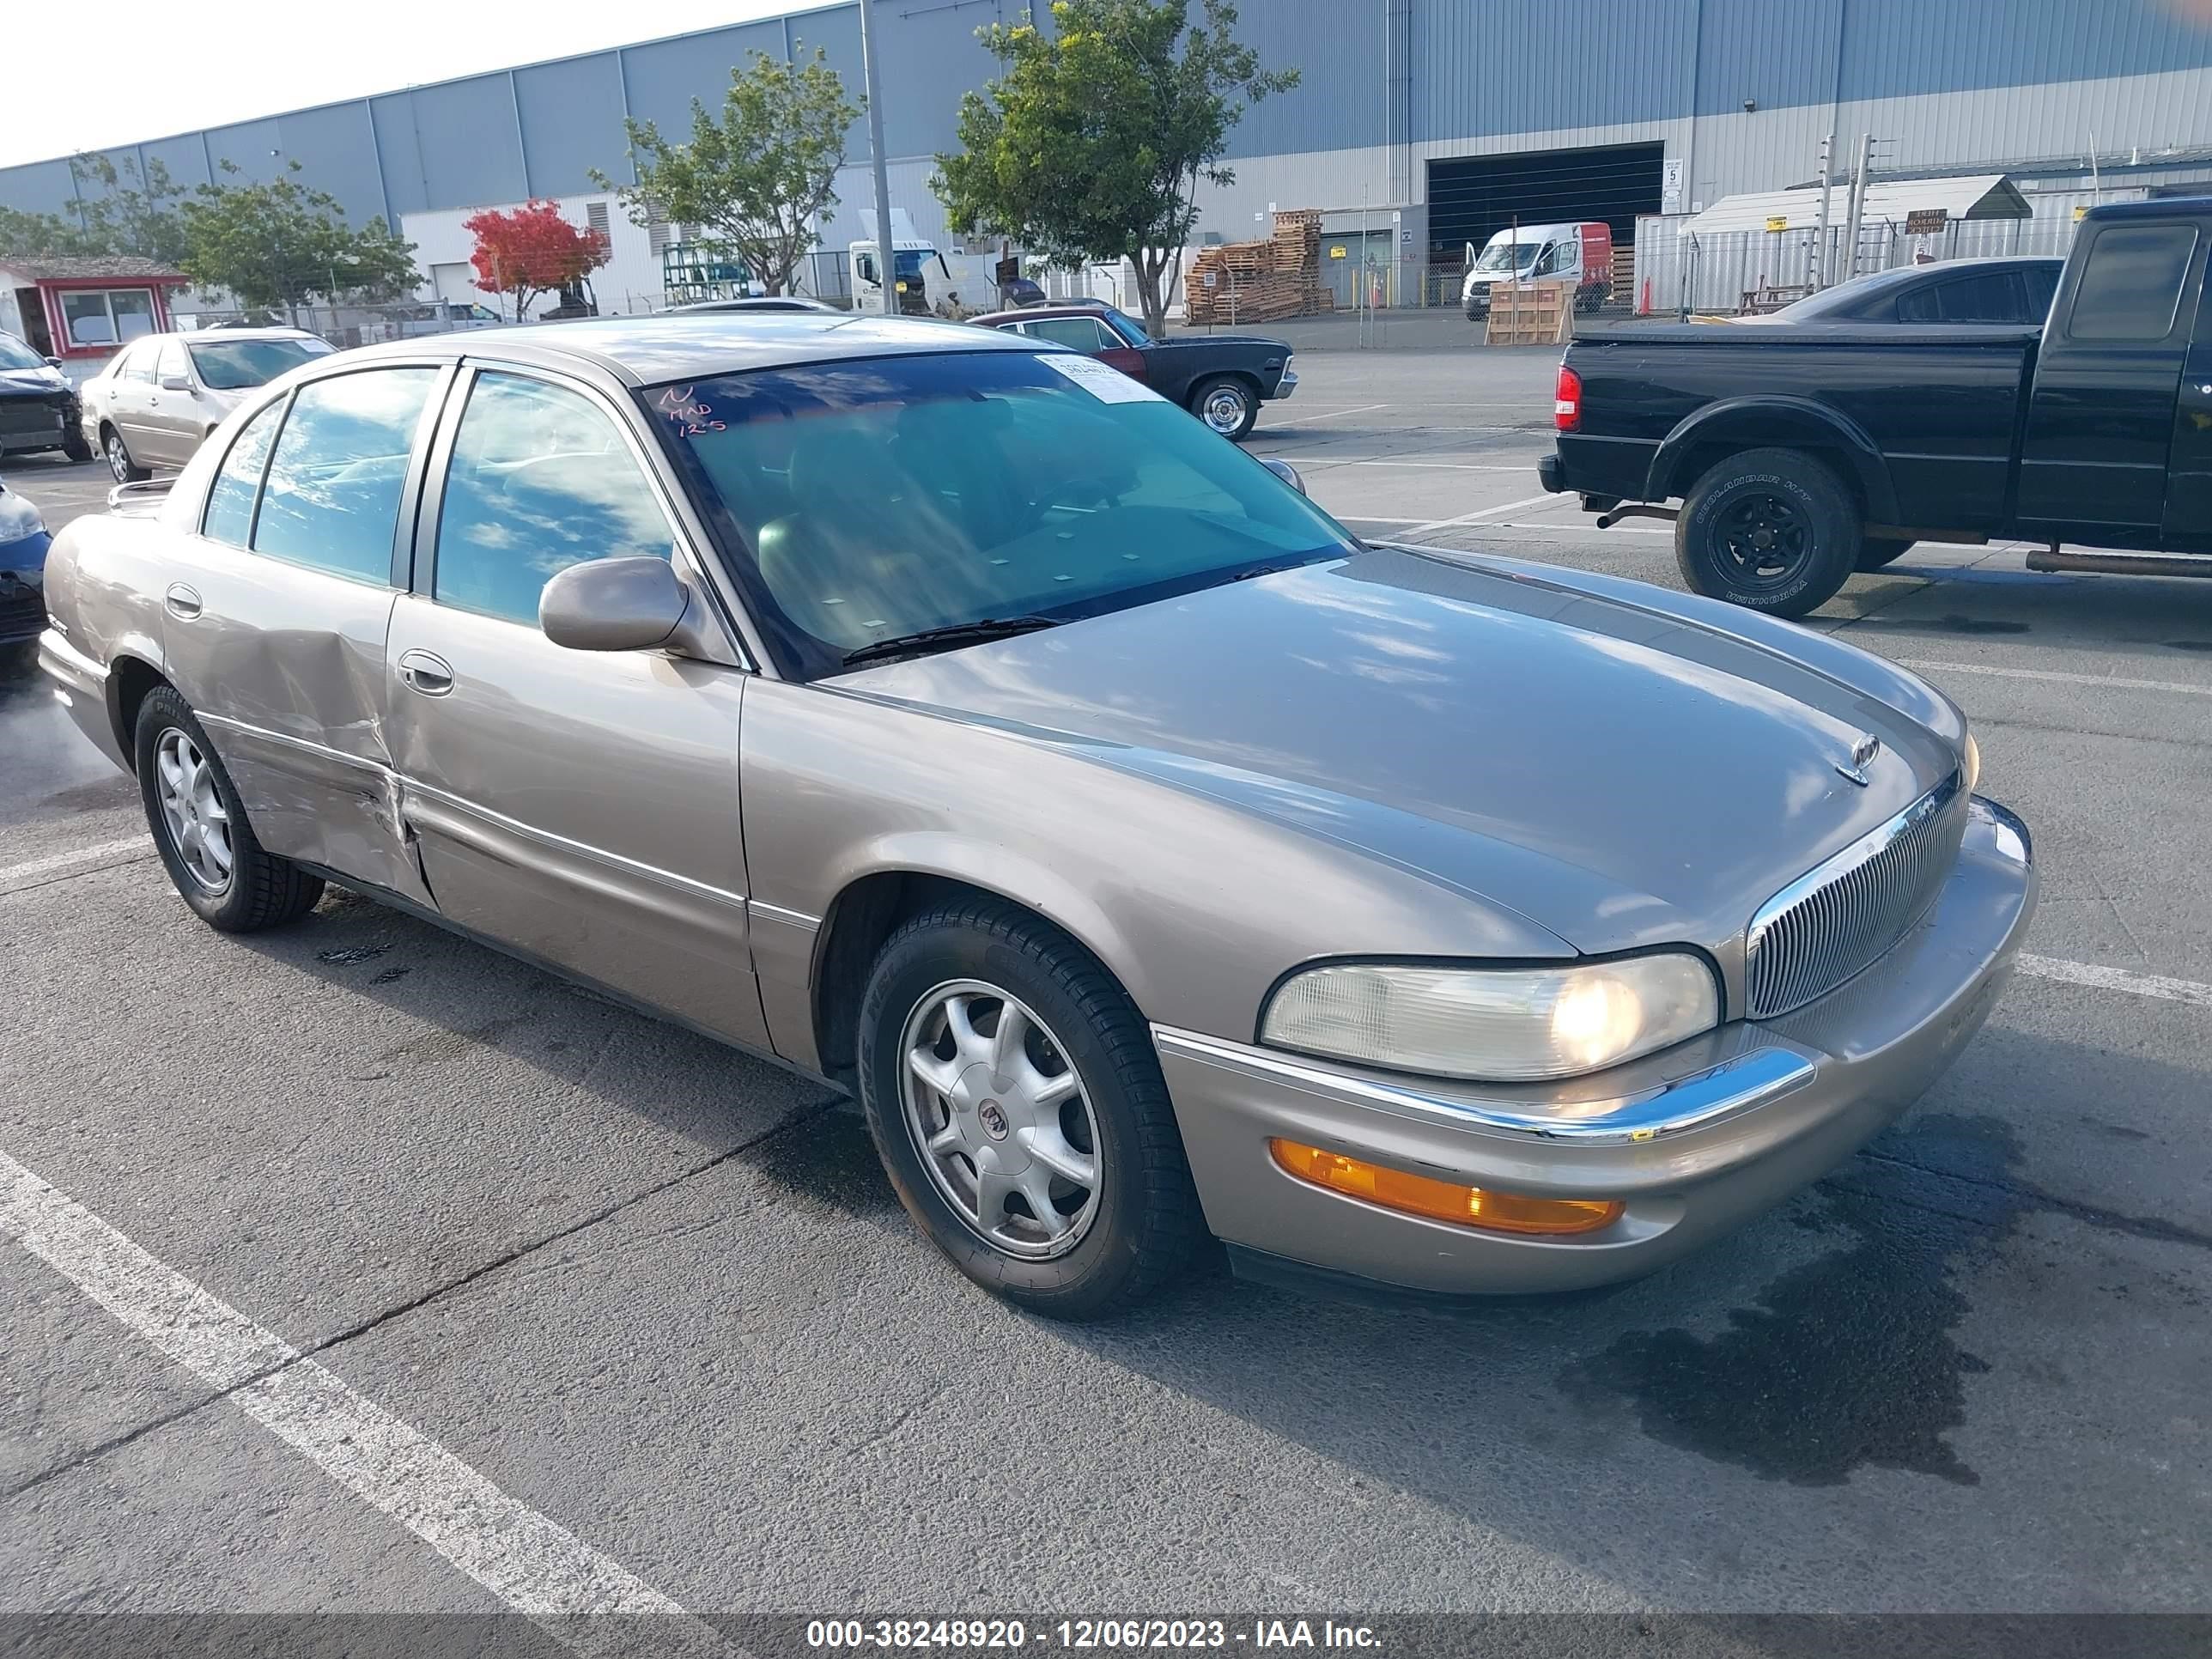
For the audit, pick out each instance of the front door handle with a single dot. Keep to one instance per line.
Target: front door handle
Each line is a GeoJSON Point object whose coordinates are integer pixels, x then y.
{"type": "Point", "coordinates": [181, 602]}
{"type": "Point", "coordinates": [425, 673]}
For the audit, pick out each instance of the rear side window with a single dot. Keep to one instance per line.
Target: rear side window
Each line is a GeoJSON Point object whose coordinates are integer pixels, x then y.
{"type": "Point", "coordinates": [230, 502]}
{"type": "Point", "coordinates": [1083, 333]}
{"type": "Point", "coordinates": [2131, 286]}
{"type": "Point", "coordinates": [331, 500]}
{"type": "Point", "coordinates": [2042, 288]}
{"type": "Point", "coordinates": [1989, 296]}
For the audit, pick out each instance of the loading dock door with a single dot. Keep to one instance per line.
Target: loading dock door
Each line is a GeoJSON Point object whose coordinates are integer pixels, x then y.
{"type": "Point", "coordinates": [1473, 197]}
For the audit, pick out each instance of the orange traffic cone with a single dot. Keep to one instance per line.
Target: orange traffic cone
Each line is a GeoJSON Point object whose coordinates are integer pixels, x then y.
{"type": "Point", "coordinates": [1643, 305]}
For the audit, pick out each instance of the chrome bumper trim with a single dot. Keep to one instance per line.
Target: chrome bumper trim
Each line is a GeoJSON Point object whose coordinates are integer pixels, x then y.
{"type": "Point", "coordinates": [62, 661]}
{"type": "Point", "coordinates": [1736, 1086]}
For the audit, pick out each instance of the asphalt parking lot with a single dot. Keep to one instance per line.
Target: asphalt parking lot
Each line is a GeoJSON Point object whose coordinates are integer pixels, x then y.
{"type": "Point", "coordinates": [657, 1298]}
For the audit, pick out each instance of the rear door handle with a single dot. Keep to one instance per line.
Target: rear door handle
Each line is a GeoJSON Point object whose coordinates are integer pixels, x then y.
{"type": "Point", "coordinates": [425, 673]}
{"type": "Point", "coordinates": [181, 602]}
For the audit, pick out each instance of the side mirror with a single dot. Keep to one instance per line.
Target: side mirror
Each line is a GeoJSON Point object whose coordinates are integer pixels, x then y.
{"type": "Point", "coordinates": [176, 382]}
{"type": "Point", "coordinates": [1286, 472]}
{"type": "Point", "coordinates": [53, 362]}
{"type": "Point", "coordinates": [627, 605]}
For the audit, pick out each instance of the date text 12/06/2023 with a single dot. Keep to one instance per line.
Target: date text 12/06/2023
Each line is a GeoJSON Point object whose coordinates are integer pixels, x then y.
{"type": "Point", "coordinates": [1088, 1634]}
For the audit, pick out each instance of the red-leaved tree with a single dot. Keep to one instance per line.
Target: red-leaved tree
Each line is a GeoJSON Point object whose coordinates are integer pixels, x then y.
{"type": "Point", "coordinates": [531, 250]}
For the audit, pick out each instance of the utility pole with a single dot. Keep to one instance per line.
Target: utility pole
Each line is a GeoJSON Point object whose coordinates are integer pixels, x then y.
{"type": "Point", "coordinates": [886, 261]}
{"type": "Point", "coordinates": [1858, 206]}
{"type": "Point", "coordinates": [1820, 234]}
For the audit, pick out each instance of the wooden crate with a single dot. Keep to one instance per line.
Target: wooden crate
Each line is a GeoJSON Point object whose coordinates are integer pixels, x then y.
{"type": "Point", "coordinates": [1531, 314]}
{"type": "Point", "coordinates": [1259, 281]}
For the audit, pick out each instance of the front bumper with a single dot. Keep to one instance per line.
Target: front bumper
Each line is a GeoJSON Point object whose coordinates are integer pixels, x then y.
{"type": "Point", "coordinates": [1694, 1141]}
{"type": "Point", "coordinates": [1285, 386]}
{"type": "Point", "coordinates": [41, 421]}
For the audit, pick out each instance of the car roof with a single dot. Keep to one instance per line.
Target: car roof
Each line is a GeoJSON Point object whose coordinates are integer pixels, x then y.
{"type": "Point", "coordinates": [1057, 309]}
{"type": "Point", "coordinates": [643, 351]}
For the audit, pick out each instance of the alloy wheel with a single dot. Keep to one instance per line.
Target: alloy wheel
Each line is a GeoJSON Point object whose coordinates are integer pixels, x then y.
{"type": "Point", "coordinates": [119, 458]}
{"type": "Point", "coordinates": [199, 825]}
{"type": "Point", "coordinates": [1000, 1118]}
{"type": "Point", "coordinates": [1224, 410]}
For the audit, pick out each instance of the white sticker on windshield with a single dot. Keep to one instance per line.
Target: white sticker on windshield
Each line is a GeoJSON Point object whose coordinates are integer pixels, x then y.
{"type": "Point", "coordinates": [1101, 381]}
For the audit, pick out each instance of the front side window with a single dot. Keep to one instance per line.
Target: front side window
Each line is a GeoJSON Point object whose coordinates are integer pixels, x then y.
{"type": "Point", "coordinates": [136, 363]}
{"type": "Point", "coordinates": [540, 480]}
{"type": "Point", "coordinates": [172, 365]}
{"type": "Point", "coordinates": [332, 501]}
{"type": "Point", "coordinates": [2131, 285]}
{"type": "Point", "coordinates": [234, 365]}
{"type": "Point", "coordinates": [864, 502]}
{"type": "Point", "coordinates": [230, 502]}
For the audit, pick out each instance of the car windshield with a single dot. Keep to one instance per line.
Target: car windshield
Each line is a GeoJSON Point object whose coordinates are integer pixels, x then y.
{"type": "Point", "coordinates": [14, 354]}
{"type": "Point", "coordinates": [908, 263]}
{"type": "Point", "coordinates": [863, 503]}
{"type": "Point", "coordinates": [236, 364]}
{"type": "Point", "coordinates": [1501, 256]}
{"type": "Point", "coordinates": [1131, 330]}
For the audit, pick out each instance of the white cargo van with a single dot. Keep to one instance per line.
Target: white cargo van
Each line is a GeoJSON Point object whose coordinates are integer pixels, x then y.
{"type": "Point", "coordinates": [1581, 253]}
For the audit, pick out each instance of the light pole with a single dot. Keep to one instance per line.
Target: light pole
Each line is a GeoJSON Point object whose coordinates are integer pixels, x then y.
{"type": "Point", "coordinates": [886, 264]}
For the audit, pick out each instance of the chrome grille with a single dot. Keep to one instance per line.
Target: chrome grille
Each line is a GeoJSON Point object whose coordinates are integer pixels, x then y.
{"type": "Point", "coordinates": [1837, 918]}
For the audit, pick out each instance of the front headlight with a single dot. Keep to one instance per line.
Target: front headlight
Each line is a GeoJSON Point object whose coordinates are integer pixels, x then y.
{"type": "Point", "coordinates": [1512, 1026]}
{"type": "Point", "coordinates": [1973, 763]}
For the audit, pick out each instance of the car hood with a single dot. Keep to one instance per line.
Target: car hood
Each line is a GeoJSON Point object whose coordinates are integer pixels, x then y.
{"type": "Point", "coordinates": [1616, 773]}
{"type": "Point", "coordinates": [36, 382]}
{"type": "Point", "coordinates": [1257, 342]}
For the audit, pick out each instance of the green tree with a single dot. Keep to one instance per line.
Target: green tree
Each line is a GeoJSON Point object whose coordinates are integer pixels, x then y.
{"type": "Point", "coordinates": [759, 179]}
{"type": "Point", "coordinates": [117, 213]}
{"type": "Point", "coordinates": [1090, 146]}
{"type": "Point", "coordinates": [279, 244]}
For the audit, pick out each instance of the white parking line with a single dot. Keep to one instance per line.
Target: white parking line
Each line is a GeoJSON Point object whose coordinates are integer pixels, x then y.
{"type": "Point", "coordinates": [2058, 676]}
{"type": "Point", "coordinates": [1481, 513]}
{"type": "Point", "coordinates": [96, 856]}
{"type": "Point", "coordinates": [538, 1568]}
{"type": "Point", "coordinates": [1302, 417]}
{"type": "Point", "coordinates": [2118, 979]}
{"type": "Point", "coordinates": [1322, 461]}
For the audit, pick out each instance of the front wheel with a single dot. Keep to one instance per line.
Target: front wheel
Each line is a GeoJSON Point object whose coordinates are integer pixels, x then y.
{"type": "Point", "coordinates": [75, 446]}
{"type": "Point", "coordinates": [1016, 1100]}
{"type": "Point", "coordinates": [1771, 530]}
{"type": "Point", "coordinates": [200, 827]}
{"type": "Point", "coordinates": [1228, 406]}
{"type": "Point", "coordinates": [119, 463]}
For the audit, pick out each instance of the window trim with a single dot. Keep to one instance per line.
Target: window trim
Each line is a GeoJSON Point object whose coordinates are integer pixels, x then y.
{"type": "Point", "coordinates": [106, 298]}
{"type": "Point", "coordinates": [685, 556]}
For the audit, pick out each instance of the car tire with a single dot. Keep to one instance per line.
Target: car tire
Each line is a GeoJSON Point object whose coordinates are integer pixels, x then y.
{"type": "Point", "coordinates": [119, 463]}
{"type": "Point", "coordinates": [77, 447]}
{"type": "Point", "coordinates": [196, 819]}
{"type": "Point", "coordinates": [1771, 530]}
{"type": "Point", "coordinates": [1228, 405]}
{"type": "Point", "coordinates": [1115, 1240]}
{"type": "Point", "coordinates": [1876, 551]}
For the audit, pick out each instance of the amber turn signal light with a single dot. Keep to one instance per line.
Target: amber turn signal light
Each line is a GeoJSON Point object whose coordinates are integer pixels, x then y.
{"type": "Point", "coordinates": [1443, 1200]}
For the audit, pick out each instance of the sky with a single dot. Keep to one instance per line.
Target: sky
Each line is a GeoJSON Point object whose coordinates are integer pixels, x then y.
{"type": "Point", "coordinates": [166, 66]}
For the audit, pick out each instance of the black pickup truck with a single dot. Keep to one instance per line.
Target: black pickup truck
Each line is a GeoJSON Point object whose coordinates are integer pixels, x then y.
{"type": "Point", "coordinates": [1801, 454]}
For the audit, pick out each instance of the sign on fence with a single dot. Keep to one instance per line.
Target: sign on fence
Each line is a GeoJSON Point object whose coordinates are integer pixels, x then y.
{"type": "Point", "coordinates": [1926, 221]}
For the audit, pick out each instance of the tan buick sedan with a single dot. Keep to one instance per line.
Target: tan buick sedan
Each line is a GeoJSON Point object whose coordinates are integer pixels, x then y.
{"type": "Point", "coordinates": [949, 715]}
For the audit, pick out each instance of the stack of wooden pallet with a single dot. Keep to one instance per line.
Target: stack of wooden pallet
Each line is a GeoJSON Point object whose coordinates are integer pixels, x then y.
{"type": "Point", "coordinates": [1256, 282]}
{"type": "Point", "coordinates": [1531, 314]}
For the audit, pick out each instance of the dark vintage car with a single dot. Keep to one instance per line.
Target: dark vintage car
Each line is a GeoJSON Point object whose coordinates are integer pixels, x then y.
{"type": "Point", "coordinates": [1220, 378]}
{"type": "Point", "coordinates": [1801, 454]}
{"type": "Point", "coordinates": [39, 408]}
{"type": "Point", "coordinates": [2016, 290]}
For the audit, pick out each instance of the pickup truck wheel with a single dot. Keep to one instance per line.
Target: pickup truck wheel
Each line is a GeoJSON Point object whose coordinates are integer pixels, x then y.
{"type": "Point", "coordinates": [200, 829]}
{"type": "Point", "coordinates": [1016, 1100]}
{"type": "Point", "coordinates": [1876, 551]}
{"type": "Point", "coordinates": [1771, 530]}
{"type": "Point", "coordinates": [1229, 406]}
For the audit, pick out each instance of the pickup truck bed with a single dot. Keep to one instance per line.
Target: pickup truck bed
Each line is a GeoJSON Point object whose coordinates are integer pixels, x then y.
{"type": "Point", "coordinates": [1801, 452]}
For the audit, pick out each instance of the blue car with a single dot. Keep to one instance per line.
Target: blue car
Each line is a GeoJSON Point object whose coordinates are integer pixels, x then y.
{"type": "Point", "coordinates": [23, 542]}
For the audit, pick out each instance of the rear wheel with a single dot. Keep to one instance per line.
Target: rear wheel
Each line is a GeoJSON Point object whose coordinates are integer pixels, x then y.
{"type": "Point", "coordinates": [1876, 551]}
{"type": "Point", "coordinates": [200, 827]}
{"type": "Point", "coordinates": [1016, 1103]}
{"type": "Point", "coordinates": [1229, 406]}
{"type": "Point", "coordinates": [119, 463]}
{"type": "Point", "coordinates": [1771, 530]}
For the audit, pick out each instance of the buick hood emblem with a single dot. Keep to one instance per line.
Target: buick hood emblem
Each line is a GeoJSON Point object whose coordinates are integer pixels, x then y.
{"type": "Point", "coordinates": [1862, 754]}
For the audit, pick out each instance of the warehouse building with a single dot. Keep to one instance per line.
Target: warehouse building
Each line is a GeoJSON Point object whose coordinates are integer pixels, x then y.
{"type": "Point", "coordinates": [1428, 123]}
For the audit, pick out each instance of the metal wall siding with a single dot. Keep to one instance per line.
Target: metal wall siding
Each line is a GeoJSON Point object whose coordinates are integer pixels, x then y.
{"type": "Point", "coordinates": [38, 187]}
{"type": "Point", "coordinates": [1340, 53]}
{"type": "Point", "coordinates": [471, 155]}
{"type": "Point", "coordinates": [929, 56]}
{"type": "Point", "coordinates": [393, 118]}
{"type": "Point", "coordinates": [1528, 66]}
{"type": "Point", "coordinates": [572, 122]}
{"type": "Point", "coordinates": [665, 75]}
{"type": "Point", "coordinates": [1893, 48]}
{"type": "Point", "coordinates": [332, 145]}
{"type": "Point", "coordinates": [1780, 56]}
{"type": "Point", "coordinates": [182, 158]}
